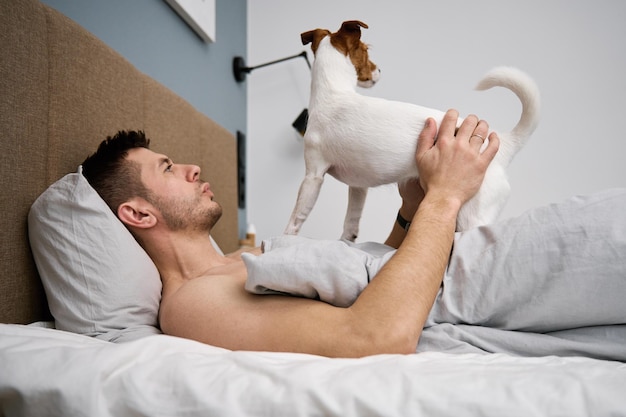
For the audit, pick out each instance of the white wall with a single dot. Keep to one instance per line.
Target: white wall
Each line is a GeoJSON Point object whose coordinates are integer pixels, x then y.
{"type": "Point", "coordinates": [432, 53]}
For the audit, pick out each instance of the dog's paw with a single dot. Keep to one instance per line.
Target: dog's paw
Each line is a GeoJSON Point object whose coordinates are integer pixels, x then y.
{"type": "Point", "coordinates": [349, 236]}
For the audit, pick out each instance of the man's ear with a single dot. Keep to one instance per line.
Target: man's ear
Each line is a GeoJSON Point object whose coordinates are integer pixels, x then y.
{"type": "Point", "coordinates": [137, 213]}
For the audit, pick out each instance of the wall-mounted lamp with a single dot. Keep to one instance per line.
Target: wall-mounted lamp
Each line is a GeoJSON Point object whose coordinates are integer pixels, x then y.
{"type": "Point", "coordinates": [240, 70]}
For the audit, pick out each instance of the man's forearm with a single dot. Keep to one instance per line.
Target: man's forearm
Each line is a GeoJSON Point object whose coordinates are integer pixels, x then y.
{"type": "Point", "coordinates": [396, 304]}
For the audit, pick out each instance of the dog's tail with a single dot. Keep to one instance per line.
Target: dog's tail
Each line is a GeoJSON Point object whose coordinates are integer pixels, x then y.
{"type": "Point", "coordinates": [527, 91]}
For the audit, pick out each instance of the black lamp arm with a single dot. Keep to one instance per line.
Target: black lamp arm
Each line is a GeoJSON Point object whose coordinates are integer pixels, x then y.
{"type": "Point", "coordinates": [240, 70]}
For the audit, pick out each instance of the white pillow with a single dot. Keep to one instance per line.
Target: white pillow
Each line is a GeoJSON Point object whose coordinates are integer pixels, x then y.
{"type": "Point", "coordinates": [98, 280]}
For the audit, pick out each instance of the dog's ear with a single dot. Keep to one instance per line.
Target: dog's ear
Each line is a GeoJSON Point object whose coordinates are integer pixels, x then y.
{"type": "Point", "coordinates": [307, 37]}
{"type": "Point", "coordinates": [353, 27]}
{"type": "Point", "coordinates": [314, 37]}
{"type": "Point", "coordinates": [348, 38]}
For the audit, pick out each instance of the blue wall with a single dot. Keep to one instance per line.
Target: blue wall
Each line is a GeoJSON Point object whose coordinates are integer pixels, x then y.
{"type": "Point", "coordinates": [159, 43]}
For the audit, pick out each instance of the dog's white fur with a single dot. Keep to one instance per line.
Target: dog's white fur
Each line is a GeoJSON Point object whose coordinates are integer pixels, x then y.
{"type": "Point", "coordinates": [366, 141]}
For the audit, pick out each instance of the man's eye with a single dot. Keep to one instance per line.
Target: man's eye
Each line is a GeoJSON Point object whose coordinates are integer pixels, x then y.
{"type": "Point", "coordinates": [169, 168]}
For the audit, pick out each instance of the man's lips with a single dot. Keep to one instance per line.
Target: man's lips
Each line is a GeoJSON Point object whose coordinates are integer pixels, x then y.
{"type": "Point", "coordinates": [206, 189]}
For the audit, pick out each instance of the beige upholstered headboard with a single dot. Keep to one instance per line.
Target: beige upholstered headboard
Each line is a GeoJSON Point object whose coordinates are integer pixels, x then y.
{"type": "Point", "coordinates": [62, 91]}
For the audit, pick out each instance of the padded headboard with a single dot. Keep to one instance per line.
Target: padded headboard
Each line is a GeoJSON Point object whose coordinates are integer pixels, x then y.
{"type": "Point", "coordinates": [62, 91]}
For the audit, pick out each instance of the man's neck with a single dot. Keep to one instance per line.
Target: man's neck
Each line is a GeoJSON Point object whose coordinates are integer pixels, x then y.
{"type": "Point", "coordinates": [184, 256]}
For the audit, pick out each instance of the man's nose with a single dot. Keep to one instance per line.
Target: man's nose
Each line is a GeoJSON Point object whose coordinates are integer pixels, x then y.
{"type": "Point", "coordinates": [193, 173]}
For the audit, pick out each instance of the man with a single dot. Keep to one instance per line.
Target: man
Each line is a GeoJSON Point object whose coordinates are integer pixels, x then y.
{"type": "Point", "coordinates": [170, 212]}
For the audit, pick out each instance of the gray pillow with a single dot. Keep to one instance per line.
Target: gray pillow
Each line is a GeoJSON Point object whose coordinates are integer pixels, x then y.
{"type": "Point", "coordinates": [98, 280]}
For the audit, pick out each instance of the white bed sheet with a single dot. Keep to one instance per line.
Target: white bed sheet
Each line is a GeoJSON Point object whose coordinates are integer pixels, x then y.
{"type": "Point", "coordinates": [47, 372]}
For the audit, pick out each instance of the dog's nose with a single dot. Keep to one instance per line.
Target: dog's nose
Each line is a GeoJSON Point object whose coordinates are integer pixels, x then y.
{"type": "Point", "coordinates": [376, 75]}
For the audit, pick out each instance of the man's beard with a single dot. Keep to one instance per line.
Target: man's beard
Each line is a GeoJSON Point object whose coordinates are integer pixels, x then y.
{"type": "Point", "coordinates": [187, 214]}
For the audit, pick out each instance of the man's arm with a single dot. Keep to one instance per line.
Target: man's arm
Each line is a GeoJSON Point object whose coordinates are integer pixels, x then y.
{"type": "Point", "coordinates": [451, 171]}
{"type": "Point", "coordinates": [389, 314]}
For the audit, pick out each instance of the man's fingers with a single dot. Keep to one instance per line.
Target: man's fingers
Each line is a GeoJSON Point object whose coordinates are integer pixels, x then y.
{"type": "Point", "coordinates": [448, 124]}
{"type": "Point", "coordinates": [492, 147]}
{"type": "Point", "coordinates": [479, 135]}
{"type": "Point", "coordinates": [427, 136]}
{"type": "Point", "coordinates": [467, 127]}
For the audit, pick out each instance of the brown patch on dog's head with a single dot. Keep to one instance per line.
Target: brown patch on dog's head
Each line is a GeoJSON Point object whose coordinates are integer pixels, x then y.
{"type": "Point", "coordinates": [347, 40]}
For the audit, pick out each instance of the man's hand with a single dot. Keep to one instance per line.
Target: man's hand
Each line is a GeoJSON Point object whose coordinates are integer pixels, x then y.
{"type": "Point", "coordinates": [412, 195]}
{"type": "Point", "coordinates": [453, 166]}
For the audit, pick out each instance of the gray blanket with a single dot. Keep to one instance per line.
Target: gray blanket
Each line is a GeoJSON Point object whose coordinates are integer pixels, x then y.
{"type": "Point", "coordinates": [550, 282]}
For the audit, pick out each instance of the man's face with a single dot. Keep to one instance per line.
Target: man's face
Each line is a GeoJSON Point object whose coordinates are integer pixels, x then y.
{"type": "Point", "coordinates": [176, 191]}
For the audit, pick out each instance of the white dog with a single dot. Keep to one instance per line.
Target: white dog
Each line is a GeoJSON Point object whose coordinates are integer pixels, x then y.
{"type": "Point", "coordinates": [365, 141]}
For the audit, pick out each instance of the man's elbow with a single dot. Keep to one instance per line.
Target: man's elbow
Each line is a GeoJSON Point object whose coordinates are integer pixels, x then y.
{"type": "Point", "coordinates": [398, 344]}
{"type": "Point", "coordinates": [384, 339]}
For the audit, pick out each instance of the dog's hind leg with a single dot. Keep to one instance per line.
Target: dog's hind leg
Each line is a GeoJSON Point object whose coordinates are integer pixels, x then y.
{"type": "Point", "coordinates": [485, 207]}
{"type": "Point", "coordinates": [307, 196]}
{"type": "Point", "coordinates": [356, 201]}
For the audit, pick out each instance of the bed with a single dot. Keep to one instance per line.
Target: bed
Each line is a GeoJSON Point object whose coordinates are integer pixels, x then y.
{"type": "Point", "coordinates": [61, 92]}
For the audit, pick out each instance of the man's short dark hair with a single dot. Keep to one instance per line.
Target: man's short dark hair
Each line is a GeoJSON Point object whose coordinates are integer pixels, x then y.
{"type": "Point", "coordinates": [116, 179]}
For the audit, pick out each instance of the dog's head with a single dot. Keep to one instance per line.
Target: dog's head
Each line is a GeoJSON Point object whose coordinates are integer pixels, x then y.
{"type": "Point", "coordinates": [347, 40]}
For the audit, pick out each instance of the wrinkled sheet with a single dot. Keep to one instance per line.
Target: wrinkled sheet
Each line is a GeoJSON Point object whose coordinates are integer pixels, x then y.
{"type": "Point", "coordinates": [552, 281]}
{"type": "Point", "coordinates": [47, 372]}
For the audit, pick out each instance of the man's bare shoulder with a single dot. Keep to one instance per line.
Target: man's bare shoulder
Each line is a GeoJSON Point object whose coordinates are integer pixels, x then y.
{"type": "Point", "coordinates": [223, 285]}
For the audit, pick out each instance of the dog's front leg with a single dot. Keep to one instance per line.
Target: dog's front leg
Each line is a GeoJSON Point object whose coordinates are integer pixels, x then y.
{"type": "Point", "coordinates": [307, 196]}
{"type": "Point", "coordinates": [356, 201]}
